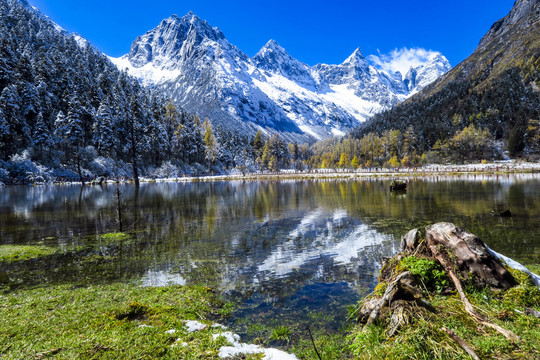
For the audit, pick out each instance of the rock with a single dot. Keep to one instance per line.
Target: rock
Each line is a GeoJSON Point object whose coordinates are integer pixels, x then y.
{"type": "Point", "coordinates": [398, 185]}
{"type": "Point", "coordinates": [505, 213]}
{"type": "Point", "coordinates": [532, 312]}
{"type": "Point", "coordinates": [471, 256]}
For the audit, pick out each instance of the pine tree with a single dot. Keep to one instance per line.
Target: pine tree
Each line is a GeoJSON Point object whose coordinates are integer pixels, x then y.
{"type": "Point", "coordinates": [4, 135]}
{"type": "Point", "coordinates": [210, 143]}
{"type": "Point", "coordinates": [74, 132]}
{"type": "Point", "coordinates": [104, 135]}
{"type": "Point", "coordinates": [41, 136]}
{"type": "Point", "coordinates": [60, 129]}
{"type": "Point", "coordinates": [258, 145]}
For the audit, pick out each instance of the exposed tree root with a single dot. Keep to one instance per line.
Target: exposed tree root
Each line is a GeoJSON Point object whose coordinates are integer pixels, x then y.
{"type": "Point", "coordinates": [465, 301]}
{"type": "Point", "coordinates": [461, 343]}
{"type": "Point", "coordinates": [387, 298]}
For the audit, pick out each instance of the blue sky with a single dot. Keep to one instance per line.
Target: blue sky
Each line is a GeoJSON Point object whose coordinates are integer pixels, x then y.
{"type": "Point", "coordinates": [311, 31]}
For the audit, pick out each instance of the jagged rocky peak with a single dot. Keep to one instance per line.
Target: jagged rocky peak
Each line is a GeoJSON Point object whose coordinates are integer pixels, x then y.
{"type": "Point", "coordinates": [422, 75]}
{"type": "Point", "coordinates": [271, 56]}
{"type": "Point", "coordinates": [164, 43]}
{"type": "Point", "coordinates": [201, 71]}
{"type": "Point", "coordinates": [356, 59]}
{"type": "Point", "coordinates": [275, 59]}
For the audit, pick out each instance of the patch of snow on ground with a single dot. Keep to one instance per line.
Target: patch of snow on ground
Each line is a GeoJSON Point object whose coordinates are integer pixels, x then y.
{"type": "Point", "coordinates": [515, 265]}
{"type": "Point", "coordinates": [238, 348]}
{"type": "Point", "coordinates": [193, 325]}
{"type": "Point", "coordinates": [337, 132]}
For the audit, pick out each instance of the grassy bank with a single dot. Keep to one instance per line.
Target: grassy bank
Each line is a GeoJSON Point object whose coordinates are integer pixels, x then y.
{"type": "Point", "coordinates": [108, 322]}
{"type": "Point", "coordinates": [424, 336]}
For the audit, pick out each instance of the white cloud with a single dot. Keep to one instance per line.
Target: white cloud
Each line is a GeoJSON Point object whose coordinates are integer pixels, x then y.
{"type": "Point", "coordinates": [401, 59]}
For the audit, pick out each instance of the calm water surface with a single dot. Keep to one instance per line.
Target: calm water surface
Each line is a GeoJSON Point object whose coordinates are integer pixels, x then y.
{"type": "Point", "coordinates": [285, 252]}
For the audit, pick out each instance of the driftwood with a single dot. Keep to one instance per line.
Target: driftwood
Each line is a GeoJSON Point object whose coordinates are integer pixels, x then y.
{"type": "Point", "coordinates": [391, 290]}
{"type": "Point", "coordinates": [409, 242]}
{"type": "Point", "coordinates": [472, 256]}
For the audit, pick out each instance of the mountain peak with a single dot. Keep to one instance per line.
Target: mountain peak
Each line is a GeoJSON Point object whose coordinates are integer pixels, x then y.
{"type": "Point", "coordinates": [271, 47]}
{"type": "Point", "coordinates": [164, 43]}
{"type": "Point", "coordinates": [356, 57]}
{"type": "Point", "coordinates": [273, 44]}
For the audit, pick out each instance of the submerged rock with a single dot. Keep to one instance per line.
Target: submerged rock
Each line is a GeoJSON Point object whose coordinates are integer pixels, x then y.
{"type": "Point", "coordinates": [398, 185]}
{"type": "Point", "coordinates": [504, 213]}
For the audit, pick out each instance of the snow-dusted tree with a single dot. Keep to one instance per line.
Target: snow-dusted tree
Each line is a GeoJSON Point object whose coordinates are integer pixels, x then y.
{"type": "Point", "coordinates": [191, 139]}
{"type": "Point", "coordinates": [275, 154]}
{"type": "Point", "coordinates": [7, 57]}
{"type": "Point", "coordinates": [74, 133]}
{"type": "Point", "coordinates": [41, 135]}
{"type": "Point", "coordinates": [135, 133]}
{"type": "Point", "coordinates": [60, 129]}
{"type": "Point", "coordinates": [171, 119]}
{"type": "Point", "coordinates": [10, 105]}
{"type": "Point", "coordinates": [104, 135]}
{"type": "Point", "coordinates": [4, 134]}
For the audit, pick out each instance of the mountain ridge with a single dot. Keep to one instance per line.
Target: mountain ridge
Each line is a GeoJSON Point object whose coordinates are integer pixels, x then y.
{"type": "Point", "coordinates": [194, 64]}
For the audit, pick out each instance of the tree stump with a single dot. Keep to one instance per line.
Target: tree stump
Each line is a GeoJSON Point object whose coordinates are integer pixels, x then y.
{"type": "Point", "coordinates": [470, 255]}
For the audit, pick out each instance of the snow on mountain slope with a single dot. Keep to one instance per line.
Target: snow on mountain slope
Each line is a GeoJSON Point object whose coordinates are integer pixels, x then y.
{"type": "Point", "coordinates": [194, 64]}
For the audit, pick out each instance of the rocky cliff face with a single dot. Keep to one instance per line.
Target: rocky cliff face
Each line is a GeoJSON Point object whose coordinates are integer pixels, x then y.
{"type": "Point", "coordinates": [194, 64]}
{"type": "Point", "coordinates": [524, 13]}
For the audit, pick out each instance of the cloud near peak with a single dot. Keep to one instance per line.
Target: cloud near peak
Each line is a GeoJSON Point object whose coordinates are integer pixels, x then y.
{"type": "Point", "coordinates": [401, 59]}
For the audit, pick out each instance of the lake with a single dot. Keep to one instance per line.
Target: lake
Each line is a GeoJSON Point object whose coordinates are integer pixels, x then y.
{"type": "Point", "coordinates": [285, 252]}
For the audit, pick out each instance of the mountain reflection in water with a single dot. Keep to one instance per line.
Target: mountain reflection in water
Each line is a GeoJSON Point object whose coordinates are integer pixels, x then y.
{"type": "Point", "coordinates": [275, 248]}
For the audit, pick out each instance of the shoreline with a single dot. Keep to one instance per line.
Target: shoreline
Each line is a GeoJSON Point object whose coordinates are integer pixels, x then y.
{"type": "Point", "coordinates": [490, 169]}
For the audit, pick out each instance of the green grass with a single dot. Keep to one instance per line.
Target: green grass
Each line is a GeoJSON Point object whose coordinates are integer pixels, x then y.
{"type": "Point", "coordinates": [11, 253]}
{"type": "Point", "coordinates": [114, 237]}
{"type": "Point", "coordinates": [281, 333]}
{"type": "Point", "coordinates": [117, 321]}
{"type": "Point", "coordinates": [535, 268]}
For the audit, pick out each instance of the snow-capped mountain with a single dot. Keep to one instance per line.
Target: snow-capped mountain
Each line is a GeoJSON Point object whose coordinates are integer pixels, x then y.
{"type": "Point", "coordinates": [195, 65]}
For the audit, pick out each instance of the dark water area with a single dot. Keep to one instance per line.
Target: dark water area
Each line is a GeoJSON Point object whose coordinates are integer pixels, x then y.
{"type": "Point", "coordinates": [284, 252]}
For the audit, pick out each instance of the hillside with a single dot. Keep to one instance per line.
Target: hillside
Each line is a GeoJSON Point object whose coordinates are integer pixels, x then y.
{"type": "Point", "coordinates": [497, 89]}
